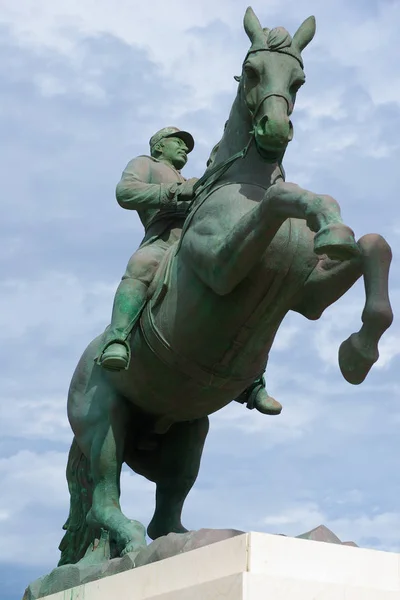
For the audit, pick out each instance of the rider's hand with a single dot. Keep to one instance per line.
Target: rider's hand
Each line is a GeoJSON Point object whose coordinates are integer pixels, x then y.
{"type": "Point", "coordinates": [185, 190]}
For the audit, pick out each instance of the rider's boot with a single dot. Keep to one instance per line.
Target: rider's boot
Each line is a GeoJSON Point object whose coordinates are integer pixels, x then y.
{"type": "Point", "coordinates": [256, 396]}
{"type": "Point", "coordinates": [129, 302]}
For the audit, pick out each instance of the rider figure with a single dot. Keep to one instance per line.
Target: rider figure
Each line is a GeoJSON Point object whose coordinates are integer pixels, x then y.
{"type": "Point", "coordinates": [154, 187]}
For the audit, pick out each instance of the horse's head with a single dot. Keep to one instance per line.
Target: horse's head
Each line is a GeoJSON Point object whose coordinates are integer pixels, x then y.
{"type": "Point", "coordinates": [271, 77]}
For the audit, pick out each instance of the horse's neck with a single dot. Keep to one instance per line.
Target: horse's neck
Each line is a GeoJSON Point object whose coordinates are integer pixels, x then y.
{"type": "Point", "coordinates": [237, 131]}
{"type": "Point", "coordinates": [237, 135]}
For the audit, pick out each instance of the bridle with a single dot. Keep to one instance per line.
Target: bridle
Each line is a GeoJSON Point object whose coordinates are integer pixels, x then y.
{"type": "Point", "coordinates": [287, 98]}
{"type": "Point", "coordinates": [255, 111]}
{"type": "Point", "coordinates": [212, 175]}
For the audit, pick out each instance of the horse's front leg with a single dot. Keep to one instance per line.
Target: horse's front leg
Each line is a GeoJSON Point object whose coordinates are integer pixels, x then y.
{"type": "Point", "coordinates": [227, 240]}
{"type": "Point", "coordinates": [331, 279]}
{"type": "Point", "coordinates": [322, 215]}
{"type": "Point", "coordinates": [359, 352]}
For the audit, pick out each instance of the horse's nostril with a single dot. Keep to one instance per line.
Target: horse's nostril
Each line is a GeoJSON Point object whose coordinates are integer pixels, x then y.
{"type": "Point", "coordinates": [290, 131]}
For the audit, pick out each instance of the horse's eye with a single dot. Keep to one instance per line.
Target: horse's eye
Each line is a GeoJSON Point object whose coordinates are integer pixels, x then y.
{"type": "Point", "coordinates": [251, 73]}
{"type": "Point", "coordinates": [296, 85]}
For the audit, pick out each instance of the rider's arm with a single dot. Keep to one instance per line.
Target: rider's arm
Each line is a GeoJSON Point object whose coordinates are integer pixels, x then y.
{"type": "Point", "coordinates": [135, 192]}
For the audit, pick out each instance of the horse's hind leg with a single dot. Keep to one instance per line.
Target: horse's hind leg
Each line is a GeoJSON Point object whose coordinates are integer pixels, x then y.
{"type": "Point", "coordinates": [99, 418]}
{"type": "Point", "coordinates": [174, 467]}
{"type": "Point", "coordinates": [180, 456]}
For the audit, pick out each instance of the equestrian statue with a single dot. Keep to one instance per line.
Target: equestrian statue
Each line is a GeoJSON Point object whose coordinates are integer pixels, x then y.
{"type": "Point", "coordinates": [224, 259]}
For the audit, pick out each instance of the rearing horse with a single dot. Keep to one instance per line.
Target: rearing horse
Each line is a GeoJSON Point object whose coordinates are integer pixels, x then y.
{"type": "Point", "coordinates": [253, 248]}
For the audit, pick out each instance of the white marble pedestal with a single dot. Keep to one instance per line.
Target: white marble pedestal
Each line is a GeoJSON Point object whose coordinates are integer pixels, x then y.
{"type": "Point", "coordinates": [255, 566]}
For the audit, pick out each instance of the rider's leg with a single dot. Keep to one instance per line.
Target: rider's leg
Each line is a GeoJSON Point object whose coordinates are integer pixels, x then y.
{"type": "Point", "coordinates": [129, 302]}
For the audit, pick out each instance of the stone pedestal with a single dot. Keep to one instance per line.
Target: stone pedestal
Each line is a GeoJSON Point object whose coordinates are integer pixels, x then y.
{"type": "Point", "coordinates": [255, 566]}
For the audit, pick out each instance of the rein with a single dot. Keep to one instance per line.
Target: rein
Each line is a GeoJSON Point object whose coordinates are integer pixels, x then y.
{"type": "Point", "coordinates": [206, 181]}
{"type": "Point", "coordinates": [211, 176]}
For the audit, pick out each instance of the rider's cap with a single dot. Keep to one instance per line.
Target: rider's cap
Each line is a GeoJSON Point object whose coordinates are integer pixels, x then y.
{"type": "Point", "coordinates": [172, 132]}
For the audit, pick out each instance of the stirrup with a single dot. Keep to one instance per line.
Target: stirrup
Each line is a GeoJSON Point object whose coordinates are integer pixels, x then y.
{"type": "Point", "coordinates": [249, 395]}
{"type": "Point", "coordinates": [100, 358]}
{"type": "Point", "coordinates": [251, 398]}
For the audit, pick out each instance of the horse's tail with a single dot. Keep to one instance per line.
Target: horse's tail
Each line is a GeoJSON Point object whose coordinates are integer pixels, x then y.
{"type": "Point", "coordinates": [78, 534]}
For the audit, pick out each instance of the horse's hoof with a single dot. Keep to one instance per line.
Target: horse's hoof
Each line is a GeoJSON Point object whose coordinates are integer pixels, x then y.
{"type": "Point", "coordinates": [138, 540]}
{"type": "Point", "coordinates": [336, 240]}
{"type": "Point", "coordinates": [159, 529]}
{"type": "Point", "coordinates": [356, 359]}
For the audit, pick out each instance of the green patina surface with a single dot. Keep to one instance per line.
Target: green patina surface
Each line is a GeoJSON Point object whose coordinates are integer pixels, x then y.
{"type": "Point", "coordinates": [192, 329]}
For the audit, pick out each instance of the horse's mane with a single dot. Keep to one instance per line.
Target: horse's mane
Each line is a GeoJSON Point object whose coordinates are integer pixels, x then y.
{"type": "Point", "coordinates": [277, 39]}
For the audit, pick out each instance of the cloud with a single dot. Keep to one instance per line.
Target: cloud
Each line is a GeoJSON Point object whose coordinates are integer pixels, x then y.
{"type": "Point", "coordinates": [377, 530]}
{"type": "Point", "coordinates": [288, 333]}
{"type": "Point", "coordinates": [84, 87]}
{"type": "Point", "coordinates": [305, 515]}
{"type": "Point", "coordinates": [368, 46]}
{"type": "Point", "coordinates": [174, 34]}
{"type": "Point", "coordinates": [343, 319]}
{"type": "Point", "coordinates": [300, 414]}
{"type": "Point", "coordinates": [34, 505]}
{"type": "Point", "coordinates": [25, 416]}
{"type": "Point", "coordinates": [33, 497]}
{"type": "Point", "coordinates": [46, 323]}
{"type": "Point", "coordinates": [191, 45]}
{"type": "Point", "coordinates": [68, 304]}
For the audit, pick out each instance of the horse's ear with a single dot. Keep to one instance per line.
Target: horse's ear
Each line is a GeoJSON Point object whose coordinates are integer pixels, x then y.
{"type": "Point", "coordinates": [252, 25]}
{"type": "Point", "coordinates": [304, 34]}
{"type": "Point", "coordinates": [237, 78]}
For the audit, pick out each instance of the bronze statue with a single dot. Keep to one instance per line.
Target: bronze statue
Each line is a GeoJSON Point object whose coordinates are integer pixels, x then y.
{"type": "Point", "coordinates": [153, 185]}
{"type": "Point", "coordinates": [252, 248]}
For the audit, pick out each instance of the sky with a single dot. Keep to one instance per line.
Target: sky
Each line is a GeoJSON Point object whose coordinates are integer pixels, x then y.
{"type": "Point", "coordinates": [83, 87]}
